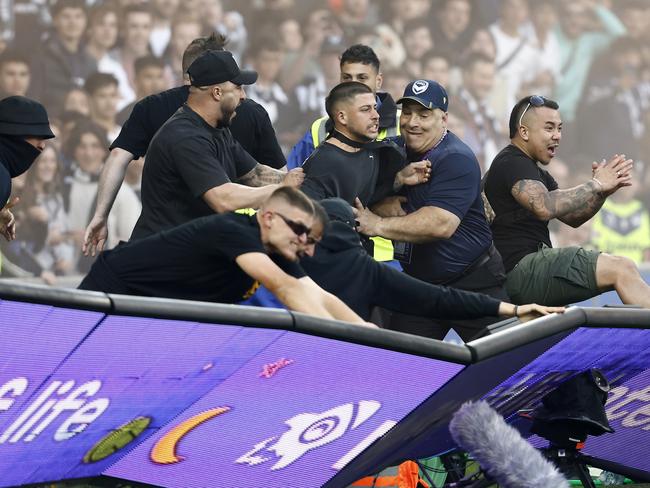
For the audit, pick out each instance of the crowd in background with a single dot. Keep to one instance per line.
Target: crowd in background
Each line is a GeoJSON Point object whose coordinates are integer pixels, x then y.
{"type": "Point", "coordinates": [88, 62]}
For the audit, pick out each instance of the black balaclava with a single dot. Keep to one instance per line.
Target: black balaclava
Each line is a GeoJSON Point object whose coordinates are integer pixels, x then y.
{"type": "Point", "coordinates": [16, 156]}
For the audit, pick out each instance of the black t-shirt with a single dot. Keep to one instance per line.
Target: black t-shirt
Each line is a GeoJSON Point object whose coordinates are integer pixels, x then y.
{"type": "Point", "coordinates": [516, 230]}
{"type": "Point", "coordinates": [251, 126]}
{"type": "Point", "coordinates": [186, 158]}
{"type": "Point", "coordinates": [194, 261]}
{"type": "Point", "coordinates": [333, 172]}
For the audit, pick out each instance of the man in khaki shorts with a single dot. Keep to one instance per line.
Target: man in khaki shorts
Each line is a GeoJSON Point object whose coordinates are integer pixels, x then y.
{"type": "Point", "coordinates": [525, 197]}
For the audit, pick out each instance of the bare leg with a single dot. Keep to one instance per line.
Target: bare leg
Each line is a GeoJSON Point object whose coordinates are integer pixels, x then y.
{"type": "Point", "coordinates": [622, 274]}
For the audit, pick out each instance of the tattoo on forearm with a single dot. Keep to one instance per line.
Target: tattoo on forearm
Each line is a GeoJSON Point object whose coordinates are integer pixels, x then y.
{"type": "Point", "coordinates": [577, 204]}
{"type": "Point", "coordinates": [262, 175]}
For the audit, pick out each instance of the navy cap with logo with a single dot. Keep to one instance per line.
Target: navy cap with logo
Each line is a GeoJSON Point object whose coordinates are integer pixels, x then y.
{"type": "Point", "coordinates": [428, 93]}
{"type": "Point", "coordinates": [214, 67]}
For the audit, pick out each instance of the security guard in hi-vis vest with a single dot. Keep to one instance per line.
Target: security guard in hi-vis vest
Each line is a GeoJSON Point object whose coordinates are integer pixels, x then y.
{"type": "Point", "coordinates": [358, 63]}
{"type": "Point", "coordinates": [623, 228]}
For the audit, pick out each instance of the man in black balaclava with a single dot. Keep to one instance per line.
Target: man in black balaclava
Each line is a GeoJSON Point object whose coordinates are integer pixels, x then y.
{"type": "Point", "coordinates": [24, 126]}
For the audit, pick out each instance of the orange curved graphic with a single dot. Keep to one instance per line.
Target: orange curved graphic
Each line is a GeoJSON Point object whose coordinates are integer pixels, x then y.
{"type": "Point", "coordinates": [164, 451]}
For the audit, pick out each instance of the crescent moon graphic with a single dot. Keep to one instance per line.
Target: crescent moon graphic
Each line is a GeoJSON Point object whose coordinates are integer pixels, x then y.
{"type": "Point", "coordinates": [164, 451]}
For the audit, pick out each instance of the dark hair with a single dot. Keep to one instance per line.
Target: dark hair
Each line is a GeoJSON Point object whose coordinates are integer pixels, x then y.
{"type": "Point", "coordinates": [293, 197]}
{"type": "Point", "coordinates": [59, 5]}
{"type": "Point", "coordinates": [344, 91]}
{"type": "Point", "coordinates": [519, 108]}
{"type": "Point", "coordinates": [136, 8]}
{"type": "Point", "coordinates": [98, 11]}
{"type": "Point", "coordinates": [475, 58]}
{"type": "Point", "coordinates": [74, 139]}
{"type": "Point", "coordinates": [147, 61]}
{"type": "Point", "coordinates": [213, 42]}
{"type": "Point", "coordinates": [360, 53]}
{"type": "Point", "coordinates": [417, 23]}
{"type": "Point", "coordinates": [13, 56]}
{"type": "Point", "coordinates": [99, 80]}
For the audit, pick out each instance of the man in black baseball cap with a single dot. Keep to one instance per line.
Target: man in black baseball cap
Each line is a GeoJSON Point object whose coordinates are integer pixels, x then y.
{"type": "Point", "coordinates": [194, 166]}
{"type": "Point", "coordinates": [24, 126]}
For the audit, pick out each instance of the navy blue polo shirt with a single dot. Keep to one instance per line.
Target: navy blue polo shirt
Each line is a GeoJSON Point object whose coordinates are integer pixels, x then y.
{"type": "Point", "coordinates": [454, 186]}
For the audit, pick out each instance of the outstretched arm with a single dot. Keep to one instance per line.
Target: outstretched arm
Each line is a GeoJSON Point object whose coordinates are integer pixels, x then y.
{"type": "Point", "coordinates": [262, 175]}
{"type": "Point", "coordinates": [578, 204]}
{"type": "Point", "coordinates": [301, 295]}
{"type": "Point", "coordinates": [110, 181]}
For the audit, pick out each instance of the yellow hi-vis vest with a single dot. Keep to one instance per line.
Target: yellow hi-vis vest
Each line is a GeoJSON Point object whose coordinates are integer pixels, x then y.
{"type": "Point", "coordinates": [622, 229]}
{"type": "Point", "coordinates": [383, 248]}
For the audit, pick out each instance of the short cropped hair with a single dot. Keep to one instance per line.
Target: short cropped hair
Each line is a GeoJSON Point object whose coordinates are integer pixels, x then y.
{"type": "Point", "coordinates": [99, 80]}
{"type": "Point", "coordinates": [293, 197]}
{"type": "Point", "coordinates": [13, 56]}
{"type": "Point", "coordinates": [59, 5]}
{"type": "Point", "coordinates": [213, 42]}
{"type": "Point", "coordinates": [148, 61]}
{"type": "Point", "coordinates": [343, 92]}
{"type": "Point", "coordinates": [360, 53]}
{"type": "Point", "coordinates": [519, 108]}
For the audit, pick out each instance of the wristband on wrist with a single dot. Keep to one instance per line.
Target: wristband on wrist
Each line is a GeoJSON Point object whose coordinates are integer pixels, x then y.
{"type": "Point", "coordinates": [516, 311]}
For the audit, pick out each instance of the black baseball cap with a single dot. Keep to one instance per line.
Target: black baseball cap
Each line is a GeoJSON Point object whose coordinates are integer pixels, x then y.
{"type": "Point", "coordinates": [214, 67]}
{"type": "Point", "coordinates": [427, 93]}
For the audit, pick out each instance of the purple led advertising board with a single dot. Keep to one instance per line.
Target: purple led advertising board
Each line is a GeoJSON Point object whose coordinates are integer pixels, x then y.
{"type": "Point", "coordinates": [292, 416]}
{"type": "Point", "coordinates": [623, 355]}
{"type": "Point", "coordinates": [178, 403]}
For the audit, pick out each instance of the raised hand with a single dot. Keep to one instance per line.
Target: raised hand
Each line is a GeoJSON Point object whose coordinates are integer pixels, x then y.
{"type": "Point", "coordinates": [7, 220]}
{"type": "Point", "coordinates": [613, 174]}
{"type": "Point", "coordinates": [414, 174]}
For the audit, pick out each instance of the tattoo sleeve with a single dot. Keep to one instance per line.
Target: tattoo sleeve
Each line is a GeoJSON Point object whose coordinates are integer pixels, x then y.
{"type": "Point", "coordinates": [262, 175]}
{"type": "Point", "coordinates": [573, 206]}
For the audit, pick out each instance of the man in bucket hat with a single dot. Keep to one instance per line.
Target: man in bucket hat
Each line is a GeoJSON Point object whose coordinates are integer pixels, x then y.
{"type": "Point", "coordinates": [24, 126]}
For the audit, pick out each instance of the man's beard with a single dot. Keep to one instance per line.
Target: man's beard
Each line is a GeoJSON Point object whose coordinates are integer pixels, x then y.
{"type": "Point", "coordinates": [227, 118]}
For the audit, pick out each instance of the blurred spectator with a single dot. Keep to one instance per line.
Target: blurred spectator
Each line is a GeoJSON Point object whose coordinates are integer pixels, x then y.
{"type": "Point", "coordinates": [403, 11]}
{"type": "Point", "coordinates": [543, 39]}
{"type": "Point", "coordinates": [184, 29]}
{"type": "Point", "coordinates": [42, 247]}
{"type": "Point", "coordinates": [161, 29]}
{"type": "Point", "coordinates": [635, 15]}
{"type": "Point", "coordinates": [62, 63]}
{"type": "Point", "coordinates": [229, 24]}
{"type": "Point", "coordinates": [417, 42]}
{"type": "Point", "coordinates": [622, 226]}
{"type": "Point", "coordinates": [353, 15]}
{"type": "Point", "coordinates": [15, 74]}
{"type": "Point", "coordinates": [149, 79]}
{"type": "Point", "coordinates": [516, 61]}
{"type": "Point", "coordinates": [613, 98]}
{"type": "Point", "coordinates": [580, 41]}
{"type": "Point", "coordinates": [78, 101]}
{"type": "Point", "coordinates": [312, 90]}
{"type": "Point", "coordinates": [267, 61]}
{"type": "Point", "coordinates": [435, 67]}
{"type": "Point", "coordinates": [136, 32]}
{"type": "Point", "coordinates": [452, 29]}
{"type": "Point", "coordinates": [481, 129]}
{"type": "Point", "coordinates": [101, 38]}
{"type": "Point", "coordinates": [386, 44]}
{"type": "Point", "coordinates": [395, 81]}
{"type": "Point", "coordinates": [103, 97]}
{"type": "Point", "coordinates": [321, 26]}
{"type": "Point", "coordinates": [87, 147]}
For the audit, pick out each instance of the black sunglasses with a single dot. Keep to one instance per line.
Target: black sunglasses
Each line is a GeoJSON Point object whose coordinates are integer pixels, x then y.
{"type": "Point", "coordinates": [297, 228]}
{"type": "Point", "coordinates": [534, 101]}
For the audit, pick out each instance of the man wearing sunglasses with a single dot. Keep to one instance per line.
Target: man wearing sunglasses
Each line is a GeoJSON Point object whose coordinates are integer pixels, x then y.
{"type": "Point", "coordinates": [525, 197]}
{"type": "Point", "coordinates": [224, 258]}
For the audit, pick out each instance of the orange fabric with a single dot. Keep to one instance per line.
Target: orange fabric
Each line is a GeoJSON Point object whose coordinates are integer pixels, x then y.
{"type": "Point", "coordinates": [408, 476]}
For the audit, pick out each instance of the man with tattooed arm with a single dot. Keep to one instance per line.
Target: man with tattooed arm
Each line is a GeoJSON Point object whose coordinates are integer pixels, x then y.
{"type": "Point", "coordinates": [525, 198]}
{"type": "Point", "coordinates": [194, 166]}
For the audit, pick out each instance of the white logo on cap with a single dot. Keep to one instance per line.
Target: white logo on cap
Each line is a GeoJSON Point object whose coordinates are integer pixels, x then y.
{"type": "Point", "coordinates": [420, 86]}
